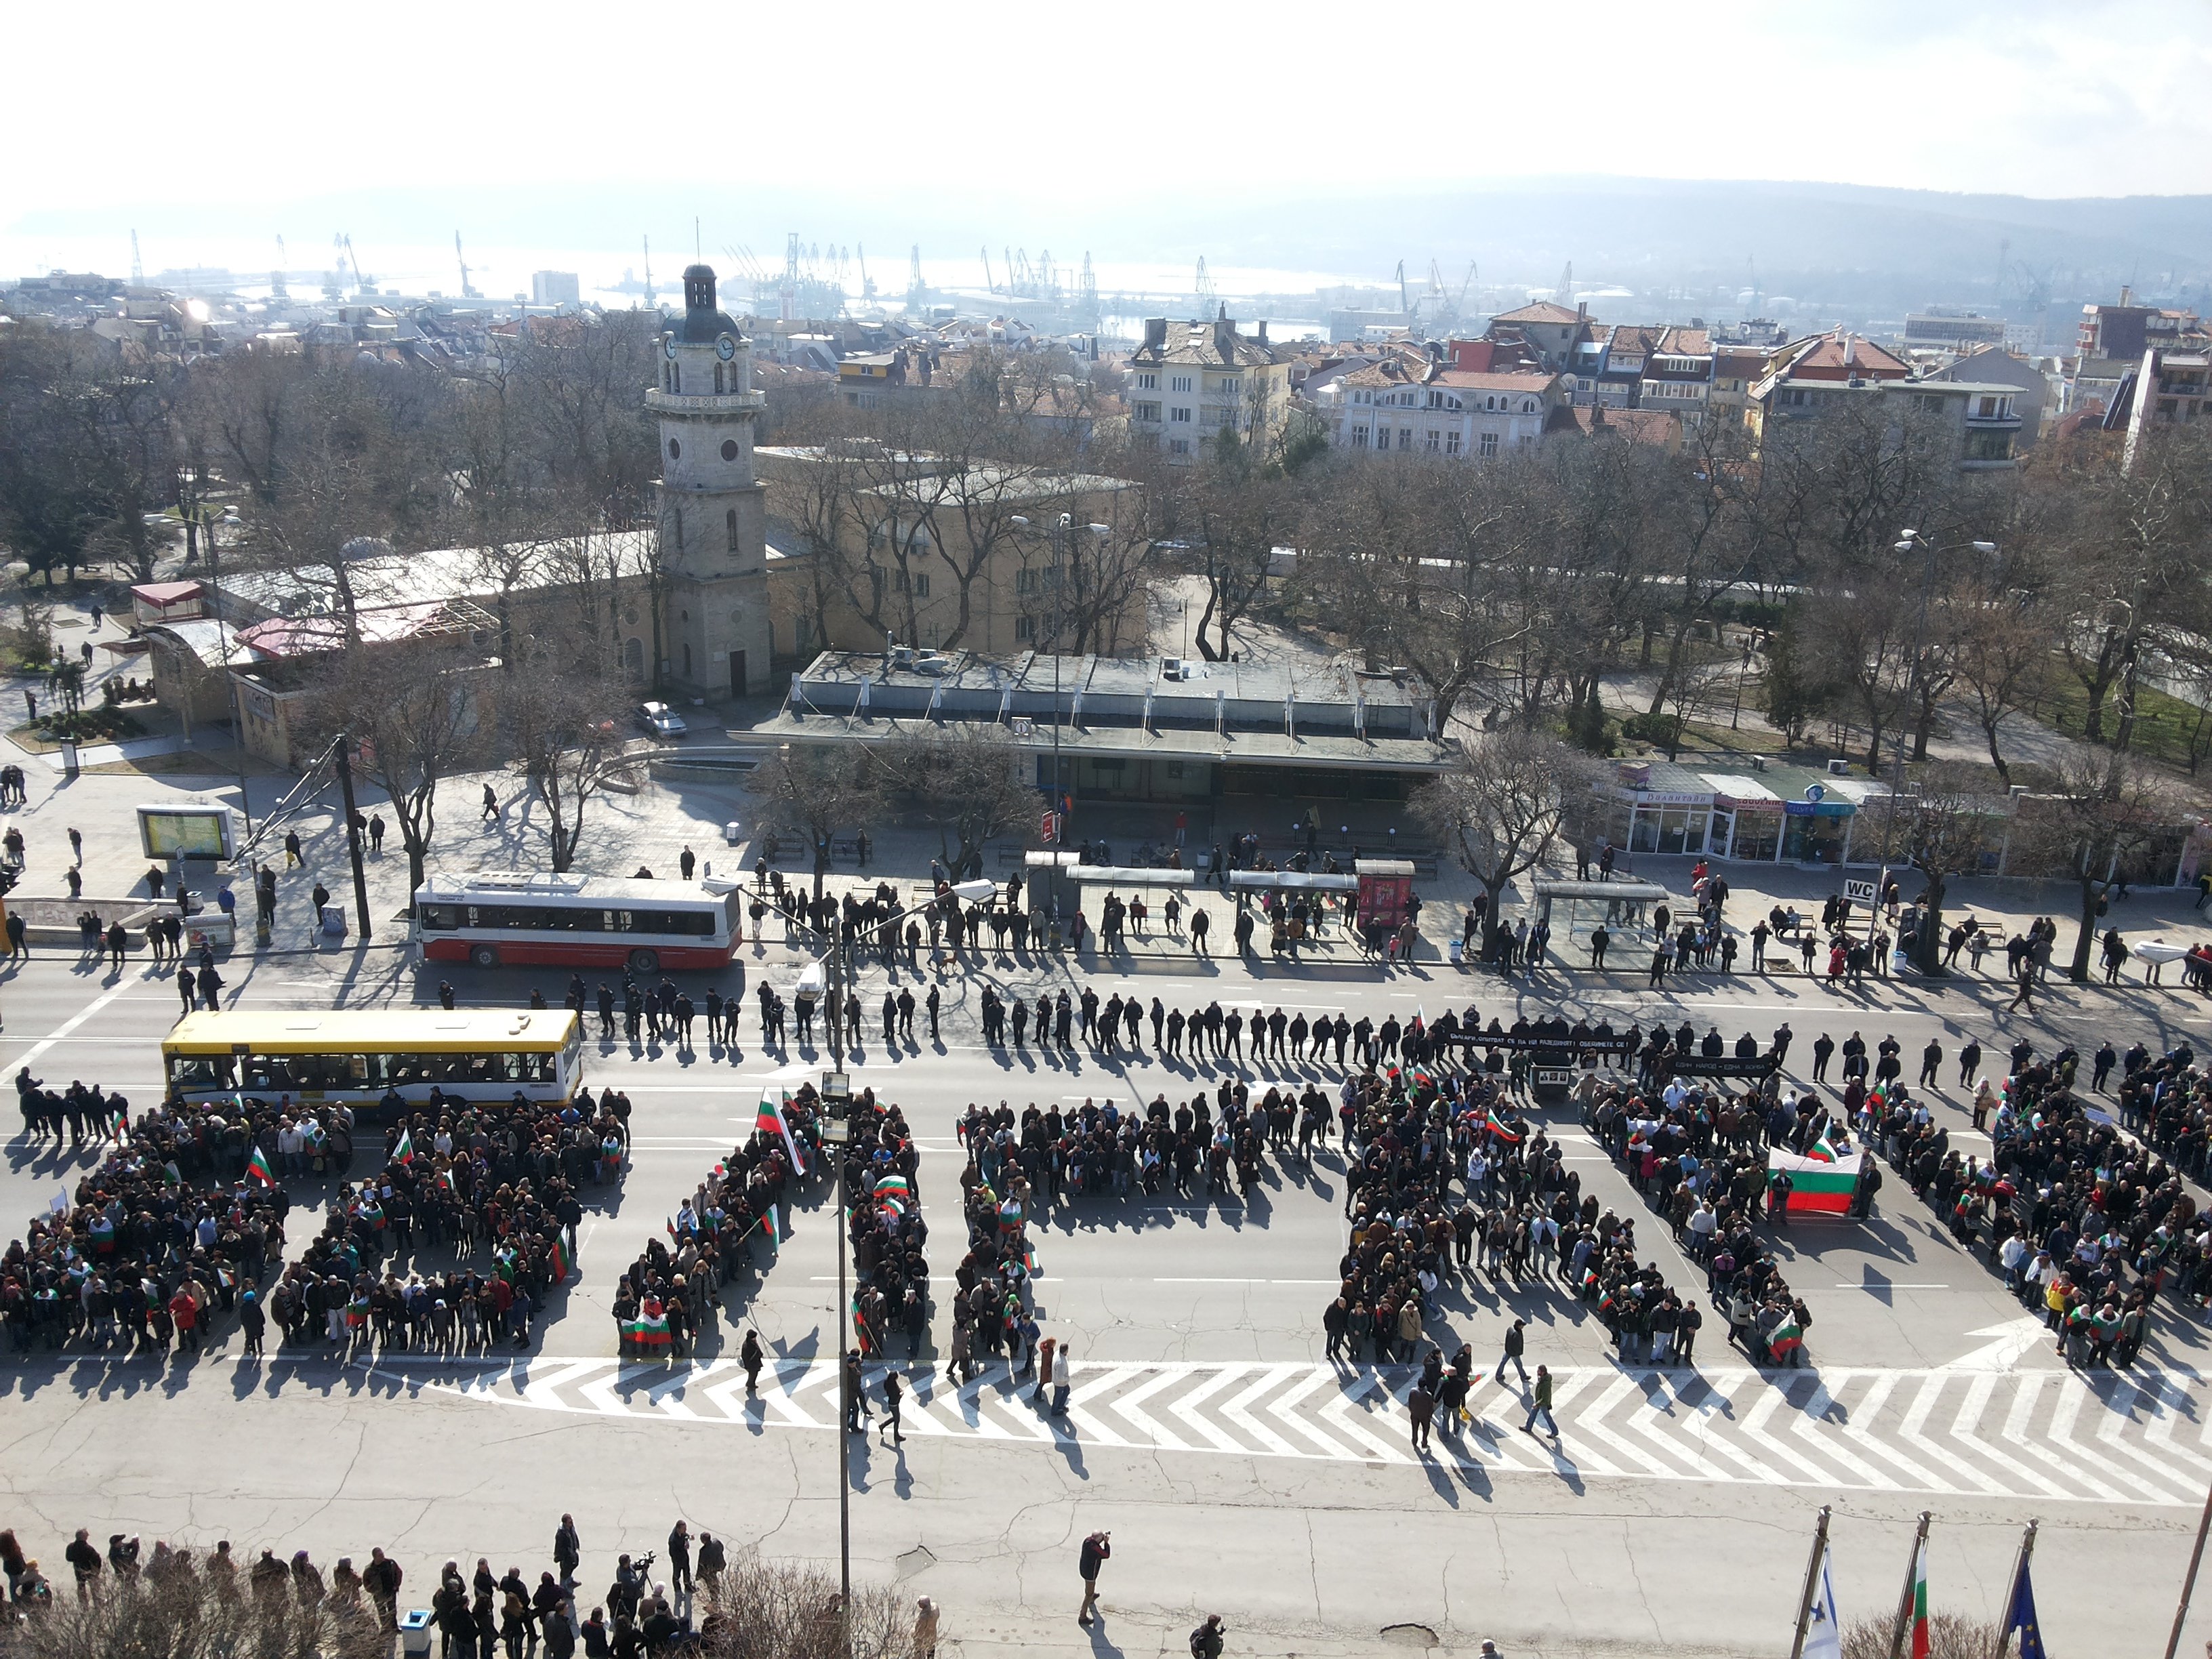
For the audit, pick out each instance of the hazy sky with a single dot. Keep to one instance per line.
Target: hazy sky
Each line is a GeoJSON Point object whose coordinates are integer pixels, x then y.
{"type": "Point", "coordinates": [247, 101]}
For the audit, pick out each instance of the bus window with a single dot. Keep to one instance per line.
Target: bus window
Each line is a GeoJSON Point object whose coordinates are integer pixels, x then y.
{"type": "Point", "coordinates": [733, 912]}
{"type": "Point", "coordinates": [197, 1071]}
{"type": "Point", "coordinates": [439, 918]}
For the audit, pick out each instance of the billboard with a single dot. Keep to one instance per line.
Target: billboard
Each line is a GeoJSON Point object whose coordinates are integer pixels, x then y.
{"type": "Point", "coordinates": [186, 832]}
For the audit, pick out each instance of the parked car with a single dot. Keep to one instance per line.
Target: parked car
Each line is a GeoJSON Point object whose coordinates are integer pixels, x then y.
{"type": "Point", "coordinates": [658, 720]}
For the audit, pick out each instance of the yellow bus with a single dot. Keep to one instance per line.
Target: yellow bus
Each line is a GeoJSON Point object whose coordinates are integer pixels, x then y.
{"type": "Point", "coordinates": [360, 1055]}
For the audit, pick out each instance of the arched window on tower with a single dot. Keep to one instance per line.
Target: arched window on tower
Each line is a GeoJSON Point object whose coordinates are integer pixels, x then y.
{"type": "Point", "coordinates": [676, 369]}
{"type": "Point", "coordinates": [718, 380]}
{"type": "Point", "coordinates": [633, 657]}
{"type": "Point", "coordinates": [730, 523]}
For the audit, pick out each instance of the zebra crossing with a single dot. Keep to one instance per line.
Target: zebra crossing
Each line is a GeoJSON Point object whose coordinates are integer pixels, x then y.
{"type": "Point", "coordinates": [2120, 1437]}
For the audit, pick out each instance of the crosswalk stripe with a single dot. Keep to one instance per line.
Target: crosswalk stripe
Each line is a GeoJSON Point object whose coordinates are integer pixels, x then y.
{"type": "Point", "coordinates": [1157, 1432]}
{"type": "Point", "coordinates": [1922, 1406]}
{"type": "Point", "coordinates": [1239, 1410]}
{"type": "Point", "coordinates": [2119, 1414]}
{"type": "Point", "coordinates": [1754, 1430]}
{"type": "Point", "coordinates": [2098, 1438]}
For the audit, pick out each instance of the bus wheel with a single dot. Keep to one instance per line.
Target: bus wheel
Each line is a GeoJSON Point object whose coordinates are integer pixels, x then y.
{"type": "Point", "coordinates": [485, 956]}
{"type": "Point", "coordinates": [644, 962]}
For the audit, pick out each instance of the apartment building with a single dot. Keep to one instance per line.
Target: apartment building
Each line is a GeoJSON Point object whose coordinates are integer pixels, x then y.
{"type": "Point", "coordinates": [1411, 406]}
{"type": "Point", "coordinates": [1830, 373]}
{"type": "Point", "coordinates": [1190, 381]}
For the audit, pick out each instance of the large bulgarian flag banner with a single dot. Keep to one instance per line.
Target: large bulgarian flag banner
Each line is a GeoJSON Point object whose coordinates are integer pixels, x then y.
{"type": "Point", "coordinates": [1819, 1186]}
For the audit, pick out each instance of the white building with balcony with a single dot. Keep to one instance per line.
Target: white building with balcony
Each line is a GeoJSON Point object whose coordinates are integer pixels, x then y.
{"type": "Point", "coordinates": [1189, 381]}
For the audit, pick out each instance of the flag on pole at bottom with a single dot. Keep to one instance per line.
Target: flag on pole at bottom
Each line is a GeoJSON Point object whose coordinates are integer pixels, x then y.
{"type": "Point", "coordinates": [1920, 1601]}
{"type": "Point", "coordinates": [1824, 1628]}
{"type": "Point", "coordinates": [258, 1168]}
{"type": "Point", "coordinates": [2022, 1617]}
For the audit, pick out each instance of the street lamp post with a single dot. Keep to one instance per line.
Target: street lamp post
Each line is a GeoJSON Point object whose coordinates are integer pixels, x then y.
{"type": "Point", "coordinates": [837, 1134]}
{"type": "Point", "coordinates": [228, 517]}
{"type": "Point", "coordinates": [1735, 717]}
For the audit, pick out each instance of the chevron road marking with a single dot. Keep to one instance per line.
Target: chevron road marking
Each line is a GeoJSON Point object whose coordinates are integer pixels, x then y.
{"type": "Point", "coordinates": [1920, 1431]}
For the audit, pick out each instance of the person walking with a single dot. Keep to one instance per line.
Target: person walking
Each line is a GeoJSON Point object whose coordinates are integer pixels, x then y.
{"type": "Point", "coordinates": [894, 1393]}
{"type": "Point", "coordinates": [1421, 1407]}
{"type": "Point", "coordinates": [1207, 1641]}
{"type": "Point", "coordinates": [568, 1549]}
{"type": "Point", "coordinates": [292, 856]}
{"type": "Point", "coordinates": [925, 1628]}
{"type": "Point", "coordinates": [1098, 1550]}
{"type": "Point", "coordinates": [1517, 1336]}
{"type": "Point", "coordinates": [490, 803]}
{"type": "Point", "coordinates": [1540, 1404]}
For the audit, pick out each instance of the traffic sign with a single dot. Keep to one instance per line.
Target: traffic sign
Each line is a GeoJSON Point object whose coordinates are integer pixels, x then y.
{"type": "Point", "coordinates": [1861, 891]}
{"type": "Point", "coordinates": [1048, 832]}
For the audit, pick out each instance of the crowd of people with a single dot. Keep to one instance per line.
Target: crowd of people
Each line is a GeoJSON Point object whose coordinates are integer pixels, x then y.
{"type": "Point", "coordinates": [669, 1295]}
{"type": "Point", "coordinates": [141, 1257]}
{"type": "Point", "coordinates": [657, 1603]}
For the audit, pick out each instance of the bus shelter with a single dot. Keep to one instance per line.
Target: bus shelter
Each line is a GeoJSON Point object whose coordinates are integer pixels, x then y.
{"type": "Point", "coordinates": [1576, 908]}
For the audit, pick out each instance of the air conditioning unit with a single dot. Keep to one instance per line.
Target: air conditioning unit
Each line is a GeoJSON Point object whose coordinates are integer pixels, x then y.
{"type": "Point", "coordinates": [1759, 762]}
{"type": "Point", "coordinates": [1023, 725]}
{"type": "Point", "coordinates": [1839, 768]}
{"type": "Point", "coordinates": [902, 656]}
{"type": "Point", "coordinates": [1171, 668]}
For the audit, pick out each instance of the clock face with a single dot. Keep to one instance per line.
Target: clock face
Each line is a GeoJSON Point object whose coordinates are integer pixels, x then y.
{"type": "Point", "coordinates": [724, 347]}
{"type": "Point", "coordinates": [671, 344]}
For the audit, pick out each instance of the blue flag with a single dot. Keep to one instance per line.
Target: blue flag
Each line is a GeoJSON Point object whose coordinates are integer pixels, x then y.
{"type": "Point", "coordinates": [2022, 1617]}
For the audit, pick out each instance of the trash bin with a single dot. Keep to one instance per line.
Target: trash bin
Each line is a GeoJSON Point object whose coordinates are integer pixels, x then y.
{"type": "Point", "coordinates": [731, 833]}
{"type": "Point", "coordinates": [415, 1633]}
{"type": "Point", "coordinates": [334, 921]}
{"type": "Point", "coordinates": [1458, 950]}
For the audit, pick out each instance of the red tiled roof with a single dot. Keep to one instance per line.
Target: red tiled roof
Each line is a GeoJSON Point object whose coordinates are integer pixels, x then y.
{"type": "Point", "coordinates": [1539, 311]}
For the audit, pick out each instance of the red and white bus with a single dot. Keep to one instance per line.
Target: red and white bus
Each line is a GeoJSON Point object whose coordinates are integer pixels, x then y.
{"type": "Point", "coordinates": [496, 916]}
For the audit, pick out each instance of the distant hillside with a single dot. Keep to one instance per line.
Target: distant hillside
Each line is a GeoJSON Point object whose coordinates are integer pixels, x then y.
{"type": "Point", "coordinates": [1842, 243]}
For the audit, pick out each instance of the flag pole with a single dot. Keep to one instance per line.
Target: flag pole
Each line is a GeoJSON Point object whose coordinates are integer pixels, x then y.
{"type": "Point", "coordinates": [1811, 1583]}
{"type": "Point", "coordinates": [2012, 1590]}
{"type": "Point", "coordinates": [1905, 1597]}
{"type": "Point", "coordinates": [2189, 1583]}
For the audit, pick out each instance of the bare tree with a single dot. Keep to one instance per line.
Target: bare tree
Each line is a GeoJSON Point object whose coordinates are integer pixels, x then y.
{"type": "Point", "coordinates": [963, 781]}
{"type": "Point", "coordinates": [1502, 806]}
{"type": "Point", "coordinates": [2106, 812]}
{"type": "Point", "coordinates": [1941, 831]}
{"type": "Point", "coordinates": [822, 790]}
{"type": "Point", "coordinates": [416, 711]}
{"type": "Point", "coordinates": [565, 720]}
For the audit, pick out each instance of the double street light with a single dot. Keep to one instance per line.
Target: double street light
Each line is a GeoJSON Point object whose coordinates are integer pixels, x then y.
{"type": "Point", "coordinates": [1063, 571]}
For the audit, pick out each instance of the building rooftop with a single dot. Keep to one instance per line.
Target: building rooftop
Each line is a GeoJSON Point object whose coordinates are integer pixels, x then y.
{"type": "Point", "coordinates": [1540, 311]}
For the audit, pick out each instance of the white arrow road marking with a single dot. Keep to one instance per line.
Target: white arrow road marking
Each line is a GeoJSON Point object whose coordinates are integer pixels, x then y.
{"type": "Point", "coordinates": [1813, 1423]}
{"type": "Point", "coordinates": [1238, 1410]}
{"type": "Point", "coordinates": [2020, 1436]}
{"type": "Point", "coordinates": [1154, 1432]}
{"type": "Point", "coordinates": [1338, 1415]}
{"type": "Point", "coordinates": [2014, 1339]}
{"type": "Point", "coordinates": [1648, 1424]}
{"type": "Point", "coordinates": [1284, 1411]}
{"type": "Point", "coordinates": [2119, 1413]}
{"type": "Point", "coordinates": [1863, 1437]}
{"type": "Point", "coordinates": [1754, 1430]}
{"type": "Point", "coordinates": [1187, 1408]}
{"type": "Point", "coordinates": [545, 1391]}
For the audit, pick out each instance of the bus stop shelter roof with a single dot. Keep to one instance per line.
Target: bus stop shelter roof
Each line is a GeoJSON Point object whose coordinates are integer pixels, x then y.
{"type": "Point", "coordinates": [1646, 892]}
{"type": "Point", "coordinates": [1117, 875]}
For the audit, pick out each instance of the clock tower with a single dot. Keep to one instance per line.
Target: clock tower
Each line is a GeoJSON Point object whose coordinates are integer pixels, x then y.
{"type": "Point", "coordinates": [713, 535]}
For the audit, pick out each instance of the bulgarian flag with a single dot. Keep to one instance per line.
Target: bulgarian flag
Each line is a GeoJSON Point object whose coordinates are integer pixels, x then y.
{"type": "Point", "coordinates": [1821, 1150]}
{"type": "Point", "coordinates": [650, 1328]}
{"type": "Point", "coordinates": [1787, 1335]}
{"type": "Point", "coordinates": [405, 1152]}
{"type": "Point", "coordinates": [1818, 1186]}
{"type": "Point", "coordinates": [1920, 1601]}
{"type": "Point", "coordinates": [257, 1168]}
{"type": "Point", "coordinates": [1496, 1125]}
{"type": "Point", "coordinates": [558, 1261]}
{"type": "Point", "coordinates": [769, 1121]}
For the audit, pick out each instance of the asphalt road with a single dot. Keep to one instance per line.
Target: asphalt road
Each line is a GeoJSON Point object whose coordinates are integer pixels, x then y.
{"type": "Point", "coordinates": [1238, 1470]}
